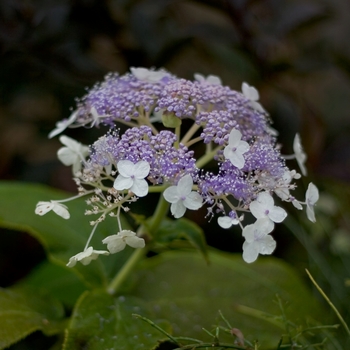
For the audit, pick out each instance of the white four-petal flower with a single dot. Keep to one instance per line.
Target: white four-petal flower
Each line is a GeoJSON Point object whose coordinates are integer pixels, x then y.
{"type": "Point", "coordinates": [182, 197]}
{"type": "Point", "coordinates": [151, 76]}
{"type": "Point", "coordinates": [227, 221]}
{"type": "Point", "coordinates": [62, 125]}
{"type": "Point", "coordinates": [252, 94]}
{"type": "Point", "coordinates": [311, 197]}
{"type": "Point", "coordinates": [60, 209]}
{"type": "Point", "coordinates": [73, 154]}
{"type": "Point", "coordinates": [132, 177]}
{"type": "Point", "coordinates": [86, 256]}
{"type": "Point", "coordinates": [300, 155]}
{"type": "Point", "coordinates": [116, 243]}
{"type": "Point", "coordinates": [264, 207]}
{"type": "Point", "coordinates": [236, 148]}
{"type": "Point", "coordinates": [257, 239]}
{"type": "Point", "coordinates": [210, 79]}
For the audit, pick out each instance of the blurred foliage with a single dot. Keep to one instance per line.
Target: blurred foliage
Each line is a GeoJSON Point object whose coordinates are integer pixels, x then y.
{"type": "Point", "coordinates": [295, 52]}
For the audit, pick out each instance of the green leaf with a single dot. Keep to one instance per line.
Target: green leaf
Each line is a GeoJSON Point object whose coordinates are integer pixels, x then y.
{"type": "Point", "coordinates": [61, 238]}
{"type": "Point", "coordinates": [185, 290]}
{"type": "Point", "coordinates": [24, 311]}
{"type": "Point", "coordinates": [101, 321]}
{"type": "Point", "coordinates": [59, 282]}
{"type": "Point", "coordinates": [171, 230]}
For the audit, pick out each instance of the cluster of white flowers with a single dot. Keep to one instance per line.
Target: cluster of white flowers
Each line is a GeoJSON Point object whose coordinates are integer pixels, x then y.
{"type": "Point", "coordinates": [130, 183]}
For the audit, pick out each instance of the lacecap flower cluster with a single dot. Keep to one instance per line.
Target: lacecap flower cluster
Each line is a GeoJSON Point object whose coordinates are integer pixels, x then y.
{"type": "Point", "coordinates": [175, 128]}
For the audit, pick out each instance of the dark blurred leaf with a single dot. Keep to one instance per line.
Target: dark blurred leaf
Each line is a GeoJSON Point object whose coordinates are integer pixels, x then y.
{"type": "Point", "coordinates": [24, 311]}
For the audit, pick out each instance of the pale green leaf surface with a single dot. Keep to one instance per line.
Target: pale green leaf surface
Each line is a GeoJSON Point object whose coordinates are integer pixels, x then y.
{"type": "Point", "coordinates": [22, 313]}
{"type": "Point", "coordinates": [184, 289]}
{"type": "Point", "coordinates": [101, 321]}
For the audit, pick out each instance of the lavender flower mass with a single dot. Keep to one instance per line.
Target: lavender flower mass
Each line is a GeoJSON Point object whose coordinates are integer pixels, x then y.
{"type": "Point", "coordinates": [168, 155]}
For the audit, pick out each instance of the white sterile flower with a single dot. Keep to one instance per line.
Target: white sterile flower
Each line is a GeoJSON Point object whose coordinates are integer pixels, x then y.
{"type": "Point", "coordinates": [62, 125]}
{"type": "Point", "coordinates": [116, 243]}
{"type": "Point", "coordinates": [86, 256]}
{"type": "Point", "coordinates": [60, 209]}
{"type": "Point", "coordinates": [132, 177]}
{"type": "Point", "coordinates": [182, 197]}
{"type": "Point", "coordinates": [299, 154]}
{"type": "Point", "coordinates": [149, 75]}
{"type": "Point", "coordinates": [263, 207]}
{"type": "Point", "coordinates": [73, 154]}
{"type": "Point", "coordinates": [311, 197]}
{"type": "Point", "coordinates": [236, 148]}
{"type": "Point", "coordinates": [210, 79]}
{"type": "Point", "coordinates": [257, 239]}
{"type": "Point", "coordinates": [227, 221]}
{"type": "Point", "coordinates": [252, 94]}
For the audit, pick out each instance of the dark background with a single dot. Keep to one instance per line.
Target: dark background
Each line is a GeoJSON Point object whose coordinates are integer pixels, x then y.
{"type": "Point", "coordinates": [297, 53]}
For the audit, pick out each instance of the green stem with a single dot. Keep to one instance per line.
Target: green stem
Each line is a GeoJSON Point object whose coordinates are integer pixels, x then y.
{"type": "Point", "coordinates": [138, 254]}
{"type": "Point", "coordinates": [207, 157]}
{"type": "Point", "coordinates": [124, 272]}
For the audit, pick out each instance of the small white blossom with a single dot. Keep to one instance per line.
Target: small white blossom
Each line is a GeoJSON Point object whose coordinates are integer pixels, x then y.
{"type": "Point", "coordinates": [62, 125]}
{"type": "Point", "coordinates": [132, 177]}
{"type": "Point", "coordinates": [236, 148]}
{"type": "Point", "coordinates": [299, 154]}
{"type": "Point", "coordinates": [73, 154]}
{"type": "Point", "coordinates": [257, 239]}
{"type": "Point", "coordinates": [311, 198]}
{"type": "Point", "coordinates": [151, 76]}
{"type": "Point", "coordinates": [252, 94]}
{"type": "Point", "coordinates": [210, 79]}
{"type": "Point", "coordinates": [182, 197]}
{"type": "Point", "coordinates": [116, 243]}
{"type": "Point", "coordinates": [60, 209]}
{"type": "Point", "coordinates": [264, 207]}
{"type": "Point", "coordinates": [227, 221]}
{"type": "Point", "coordinates": [86, 256]}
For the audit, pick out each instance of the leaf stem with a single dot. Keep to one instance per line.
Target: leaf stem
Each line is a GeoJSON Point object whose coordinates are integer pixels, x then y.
{"type": "Point", "coordinates": [138, 254]}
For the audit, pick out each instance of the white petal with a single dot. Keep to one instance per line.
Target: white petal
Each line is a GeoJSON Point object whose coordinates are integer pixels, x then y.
{"type": "Point", "coordinates": [225, 221]}
{"type": "Point", "coordinates": [213, 79]}
{"type": "Point", "coordinates": [257, 209]}
{"type": "Point", "coordinates": [299, 154]}
{"type": "Point", "coordinates": [115, 243]}
{"type": "Point", "coordinates": [178, 209]}
{"type": "Point", "coordinates": [62, 125]}
{"type": "Point", "coordinates": [234, 138]}
{"type": "Point", "coordinates": [199, 77]}
{"type": "Point", "coordinates": [170, 194]}
{"type": "Point", "coordinates": [312, 194]}
{"type": "Point", "coordinates": [184, 186]}
{"type": "Point", "coordinates": [126, 168]}
{"type": "Point", "coordinates": [267, 245]}
{"type": "Point", "coordinates": [310, 213]}
{"type": "Point", "coordinates": [43, 207]}
{"type": "Point", "coordinates": [243, 147]}
{"type": "Point", "coordinates": [277, 214]}
{"type": "Point", "coordinates": [193, 201]}
{"type": "Point", "coordinates": [140, 187]}
{"type": "Point", "coordinates": [122, 183]}
{"type": "Point", "coordinates": [297, 204]}
{"type": "Point", "coordinates": [250, 251]}
{"type": "Point", "coordinates": [250, 92]}
{"type": "Point", "coordinates": [67, 156]}
{"type": "Point", "coordinates": [135, 242]}
{"type": "Point", "coordinates": [141, 169]}
{"type": "Point", "coordinates": [61, 210]}
{"type": "Point", "coordinates": [235, 158]}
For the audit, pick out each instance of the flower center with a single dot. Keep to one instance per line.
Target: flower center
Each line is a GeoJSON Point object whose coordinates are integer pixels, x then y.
{"type": "Point", "coordinates": [267, 212]}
